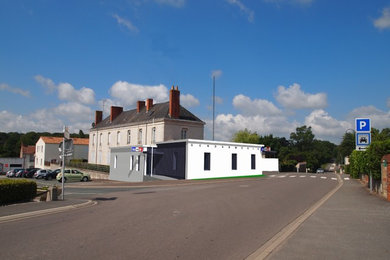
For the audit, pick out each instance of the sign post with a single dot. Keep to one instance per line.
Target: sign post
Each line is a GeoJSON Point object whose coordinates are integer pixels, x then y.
{"type": "Point", "coordinates": [363, 133]}
{"type": "Point", "coordinates": [66, 136]}
{"type": "Point", "coordinates": [363, 137]}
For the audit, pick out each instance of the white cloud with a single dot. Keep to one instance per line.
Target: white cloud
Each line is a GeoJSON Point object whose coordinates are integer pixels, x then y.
{"type": "Point", "coordinates": [294, 98]}
{"type": "Point", "coordinates": [67, 92]}
{"type": "Point", "coordinates": [188, 100]}
{"type": "Point", "coordinates": [46, 83]}
{"type": "Point", "coordinates": [6, 87]}
{"type": "Point", "coordinates": [301, 2]}
{"type": "Point", "coordinates": [126, 23]}
{"type": "Point", "coordinates": [255, 107]}
{"type": "Point", "coordinates": [326, 127]}
{"type": "Point", "coordinates": [74, 112]}
{"type": "Point", "coordinates": [243, 9]}
{"type": "Point", "coordinates": [216, 73]}
{"type": "Point", "coordinates": [379, 119]}
{"type": "Point", "coordinates": [174, 3]}
{"type": "Point", "coordinates": [383, 22]}
{"type": "Point", "coordinates": [226, 125]}
{"type": "Point", "coordinates": [128, 93]}
{"type": "Point", "coordinates": [42, 122]}
{"type": "Point", "coordinates": [218, 100]}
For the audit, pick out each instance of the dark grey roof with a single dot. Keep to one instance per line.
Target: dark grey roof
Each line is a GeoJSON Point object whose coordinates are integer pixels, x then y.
{"type": "Point", "coordinates": [158, 111]}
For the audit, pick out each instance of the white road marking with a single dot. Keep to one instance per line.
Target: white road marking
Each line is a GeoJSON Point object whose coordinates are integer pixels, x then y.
{"type": "Point", "coordinates": [323, 177]}
{"type": "Point", "coordinates": [313, 176]}
{"type": "Point", "coordinates": [292, 176]}
{"type": "Point", "coordinates": [302, 176]}
{"type": "Point", "coordinates": [335, 179]}
{"type": "Point", "coordinates": [272, 175]}
{"type": "Point", "coordinates": [282, 176]}
{"type": "Point", "coordinates": [346, 178]}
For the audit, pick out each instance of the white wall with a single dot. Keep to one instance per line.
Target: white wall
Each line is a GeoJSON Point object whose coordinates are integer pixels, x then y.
{"type": "Point", "coordinates": [221, 159]}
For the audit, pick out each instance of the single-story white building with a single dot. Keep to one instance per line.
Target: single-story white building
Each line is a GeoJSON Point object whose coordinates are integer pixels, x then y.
{"type": "Point", "coordinates": [190, 159]}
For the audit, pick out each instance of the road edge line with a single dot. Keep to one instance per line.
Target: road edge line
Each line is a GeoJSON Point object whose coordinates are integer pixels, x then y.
{"type": "Point", "coordinates": [264, 251]}
{"type": "Point", "coordinates": [43, 212]}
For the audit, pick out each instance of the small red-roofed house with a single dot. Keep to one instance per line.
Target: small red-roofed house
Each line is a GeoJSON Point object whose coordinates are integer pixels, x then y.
{"type": "Point", "coordinates": [47, 152]}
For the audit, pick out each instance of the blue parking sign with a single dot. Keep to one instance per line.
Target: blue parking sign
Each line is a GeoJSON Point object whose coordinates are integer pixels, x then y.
{"type": "Point", "coordinates": [363, 125]}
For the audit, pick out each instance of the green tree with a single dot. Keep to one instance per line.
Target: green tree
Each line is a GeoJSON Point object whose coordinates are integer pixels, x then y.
{"type": "Point", "coordinates": [246, 136]}
{"type": "Point", "coordinates": [303, 138]}
{"type": "Point", "coordinates": [374, 154]}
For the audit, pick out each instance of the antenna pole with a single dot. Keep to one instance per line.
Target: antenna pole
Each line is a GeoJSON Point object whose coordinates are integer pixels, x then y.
{"type": "Point", "coordinates": [213, 105]}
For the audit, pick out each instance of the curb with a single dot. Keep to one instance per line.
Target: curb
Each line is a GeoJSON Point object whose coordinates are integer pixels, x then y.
{"type": "Point", "coordinates": [264, 251]}
{"type": "Point", "coordinates": [43, 212]}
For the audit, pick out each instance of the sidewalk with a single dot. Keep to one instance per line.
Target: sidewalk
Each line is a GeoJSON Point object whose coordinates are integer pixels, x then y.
{"type": "Point", "coordinates": [352, 224]}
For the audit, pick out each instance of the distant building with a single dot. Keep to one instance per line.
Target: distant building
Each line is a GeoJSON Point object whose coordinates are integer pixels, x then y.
{"type": "Point", "coordinates": [146, 125]}
{"type": "Point", "coordinates": [47, 153]}
{"type": "Point", "coordinates": [10, 163]}
{"type": "Point", "coordinates": [27, 153]}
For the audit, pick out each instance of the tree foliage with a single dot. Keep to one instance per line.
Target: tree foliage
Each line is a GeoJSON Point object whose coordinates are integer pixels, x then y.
{"type": "Point", "coordinates": [301, 147]}
{"type": "Point", "coordinates": [10, 143]}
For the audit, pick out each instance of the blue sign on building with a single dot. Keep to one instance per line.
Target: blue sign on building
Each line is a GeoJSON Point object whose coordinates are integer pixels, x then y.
{"type": "Point", "coordinates": [363, 125]}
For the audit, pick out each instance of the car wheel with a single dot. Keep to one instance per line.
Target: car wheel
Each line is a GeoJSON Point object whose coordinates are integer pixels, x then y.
{"type": "Point", "coordinates": [84, 178]}
{"type": "Point", "coordinates": [48, 178]}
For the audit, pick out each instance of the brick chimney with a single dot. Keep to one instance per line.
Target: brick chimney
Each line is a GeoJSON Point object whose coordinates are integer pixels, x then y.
{"type": "Point", "coordinates": [98, 117]}
{"type": "Point", "coordinates": [115, 112]}
{"type": "Point", "coordinates": [149, 104]}
{"type": "Point", "coordinates": [140, 105]}
{"type": "Point", "coordinates": [174, 102]}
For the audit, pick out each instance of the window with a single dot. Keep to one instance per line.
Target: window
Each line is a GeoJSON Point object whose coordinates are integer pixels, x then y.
{"type": "Point", "coordinates": [109, 138]}
{"type": "Point", "coordinates": [115, 161]}
{"type": "Point", "coordinates": [174, 161]}
{"type": "Point", "coordinates": [140, 136]}
{"type": "Point", "coordinates": [137, 161]}
{"type": "Point", "coordinates": [128, 136]}
{"type": "Point", "coordinates": [131, 162]}
{"type": "Point", "coordinates": [101, 137]}
{"type": "Point", "coordinates": [253, 161]}
{"type": "Point", "coordinates": [184, 133]}
{"type": "Point", "coordinates": [206, 165]}
{"type": "Point", "coordinates": [234, 161]}
{"type": "Point", "coordinates": [118, 137]}
{"type": "Point", "coordinates": [153, 135]}
{"type": "Point", "coordinates": [93, 140]}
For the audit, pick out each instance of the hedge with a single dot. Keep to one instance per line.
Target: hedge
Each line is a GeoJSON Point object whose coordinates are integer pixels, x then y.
{"type": "Point", "coordinates": [16, 191]}
{"type": "Point", "coordinates": [89, 166]}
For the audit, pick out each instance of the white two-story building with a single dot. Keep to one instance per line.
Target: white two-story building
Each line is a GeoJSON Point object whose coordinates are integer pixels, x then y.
{"type": "Point", "coordinates": [144, 126]}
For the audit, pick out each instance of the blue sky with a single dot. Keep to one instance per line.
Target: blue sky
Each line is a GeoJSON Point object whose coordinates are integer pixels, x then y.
{"type": "Point", "coordinates": [278, 64]}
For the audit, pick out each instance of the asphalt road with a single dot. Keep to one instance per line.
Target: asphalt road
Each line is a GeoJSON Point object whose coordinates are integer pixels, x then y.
{"type": "Point", "coordinates": [222, 220]}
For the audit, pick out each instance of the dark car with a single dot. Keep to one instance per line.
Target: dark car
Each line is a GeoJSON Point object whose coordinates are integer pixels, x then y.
{"type": "Point", "coordinates": [30, 172]}
{"type": "Point", "coordinates": [20, 173]}
{"type": "Point", "coordinates": [52, 175]}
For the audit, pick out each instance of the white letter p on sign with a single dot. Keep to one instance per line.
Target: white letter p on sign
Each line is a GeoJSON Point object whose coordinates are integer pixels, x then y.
{"type": "Point", "coordinates": [362, 124]}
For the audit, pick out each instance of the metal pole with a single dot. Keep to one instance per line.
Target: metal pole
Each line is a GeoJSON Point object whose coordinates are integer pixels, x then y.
{"type": "Point", "coordinates": [63, 169]}
{"type": "Point", "coordinates": [151, 165]}
{"type": "Point", "coordinates": [213, 105]}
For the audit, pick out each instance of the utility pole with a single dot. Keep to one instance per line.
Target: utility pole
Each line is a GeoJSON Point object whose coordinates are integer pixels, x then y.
{"type": "Point", "coordinates": [213, 105]}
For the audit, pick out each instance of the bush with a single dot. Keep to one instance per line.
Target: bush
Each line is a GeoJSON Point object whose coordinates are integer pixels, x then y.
{"type": "Point", "coordinates": [16, 191]}
{"type": "Point", "coordinates": [89, 166]}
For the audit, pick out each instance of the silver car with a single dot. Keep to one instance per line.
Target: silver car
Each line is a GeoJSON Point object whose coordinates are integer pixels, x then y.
{"type": "Point", "coordinates": [41, 174]}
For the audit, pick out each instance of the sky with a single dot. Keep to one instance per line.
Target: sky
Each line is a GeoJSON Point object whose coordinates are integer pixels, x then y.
{"type": "Point", "coordinates": [278, 64]}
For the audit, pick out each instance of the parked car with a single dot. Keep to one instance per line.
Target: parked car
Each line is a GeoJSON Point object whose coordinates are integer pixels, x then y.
{"type": "Point", "coordinates": [40, 174]}
{"type": "Point", "coordinates": [12, 173]}
{"type": "Point", "coordinates": [20, 173]}
{"type": "Point", "coordinates": [52, 175]}
{"type": "Point", "coordinates": [30, 173]}
{"type": "Point", "coordinates": [320, 170]}
{"type": "Point", "coordinates": [73, 175]}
